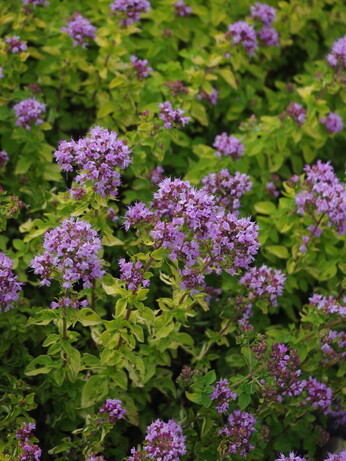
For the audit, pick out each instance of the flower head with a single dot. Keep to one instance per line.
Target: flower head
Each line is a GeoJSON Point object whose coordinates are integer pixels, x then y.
{"type": "Point", "coordinates": [15, 45]}
{"type": "Point", "coordinates": [130, 10]}
{"type": "Point", "coordinates": [244, 34]}
{"type": "Point", "coordinates": [222, 395]}
{"type": "Point", "coordinates": [237, 432]}
{"type": "Point", "coordinates": [97, 157]}
{"type": "Point", "coordinates": [291, 457]}
{"type": "Point", "coordinates": [113, 409]}
{"type": "Point", "coordinates": [141, 67]}
{"type": "Point", "coordinates": [228, 145]}
{"type": "Point", "coordinates": [296, 112]}
{"type": "Point", "coordinates": [9, 285]}
{"type": "Point", "coordinates": [333, 122]}
{"type": "Point", "coordinates": [80, 30]}
{"type": "Point", "coordinates": [268, 36]}
{"type": "Point", "coordinates": [3, 158]}
{"type": "Point", "coordinates": [70, 255]}
{"type": "Point", "coordinates": [28, 112]}
{"type": "Point", "coordinates": [181, 9]}
{"type": "Point", "coordinates": [337, 57]}
{"type": "Point", "coordinates": [163, 441]}
{"type": "Point", "coordinates": [172, 117]}
{"type": "Point", "coordinates": [264, 282]}
{"type": "Point", "coordinates": [264, 13]}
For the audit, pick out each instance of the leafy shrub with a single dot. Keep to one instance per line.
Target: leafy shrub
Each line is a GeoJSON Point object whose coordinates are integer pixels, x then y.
{"type": "Point", "coordinates": [172, 256]}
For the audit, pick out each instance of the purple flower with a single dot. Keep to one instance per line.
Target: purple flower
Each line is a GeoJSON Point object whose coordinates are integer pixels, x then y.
{"type": "Point", "coordinates": [25, 433]}
{"type": "Point", "coordinates": [333, 122]}
{"type": "Point", "coordinates": [264, 282]}
{"type": "Point", "coordinates": [337, 58]}
{"type": "Point", "coordinates": [181, 9]}
{"type": "Point", "coordinates": [136, 214]}
{"type": "Point", "coordinates": [9, 285]}
{"type": "Point", "coordinates": [328, 304]}
{"type": "Point", "coordinates": [96, 156]}
{"type": "Point", "coordinates": [210, 97]}
{"type": "Point", "coordinates": [30, 453]}
{"type": "Point", "coordinates": [133, 274]}
{"type": "Point", "coordinates": [226, 188]}
{"type": "Point", "coordinates": [336, 457]}
{"type": "Point", "coordinates": [290, 457]}
{"type": "Point", "coordinates": [172, 117]}
{"type": "Point", "coordinates": [141, 67]}
{"type": "Point", "coordinates": [222, 395]}
{"type": "Point", "coordinates": [284, 366]}
{"type": "Point", "coordinates": [93, 457]}
{"type": "Point", "coordinates": [113, 409]}
{"type": "Point", "coordinates": [228, 145]}
{"type": "Point", "coordinates": [130, 10]}
{"type": "Point", "coordinates": [14, 45]}
{"type": "Point", "coordinates": [272, 190]}
{"type": "Point", "coordinates": [333, 346]}
{"type": "Point", "coordinates": [35, 2]}
{"type": "Point", "coordinates": [3, 158]}
{"type": "Point", "coordinates": [156, 175]}
{"type": "Point", "coordinates": [237, 432]}
{"type": "Point", "coordinates": [163, 441]}
{"type": "Point", "coordinates": [70, 255]}
{"type": "Point", "coordinates": [296, 112]}
{"type": "Point", "coordinates": [244, 34]}
{"type": "Point", "coordinates": [323, 193]}
{"type": "Point", "coordinates": [318, 394]}
{"type": "Point", "coordinates": [264, 13]}
{"type": "Point", "coordinates": [1, 73]}
{"type": "Point", "coordinates": [28, 112]}
{"type": "Point", "coordinates": [268, 37]}
{"type": "Point", "coordinates": [80, 30]}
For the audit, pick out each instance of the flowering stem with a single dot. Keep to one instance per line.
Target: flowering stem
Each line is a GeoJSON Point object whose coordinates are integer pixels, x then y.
{"type": "Point", "coordinates": [129, 310]}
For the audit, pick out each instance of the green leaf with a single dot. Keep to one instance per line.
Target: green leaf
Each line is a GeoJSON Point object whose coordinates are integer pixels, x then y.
{"type": "Point", "coordinates": [229, 77]}
{"type": "Point", "coordinates": [278, 250]}
{"type": "Point", "coordinates": [42, 364]}
{"type": "Point", "coordinates": [244, 400]}
{"type": "Point", "coordinates": [265, 208]}
{"type": "Point", "coordinates": [94, 390]}
{"type": "Point", "coordinates": [88, 317]}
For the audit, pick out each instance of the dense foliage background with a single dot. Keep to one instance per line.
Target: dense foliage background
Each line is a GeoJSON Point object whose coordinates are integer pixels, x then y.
{"type": "Point", "coordinates": [161, 349]}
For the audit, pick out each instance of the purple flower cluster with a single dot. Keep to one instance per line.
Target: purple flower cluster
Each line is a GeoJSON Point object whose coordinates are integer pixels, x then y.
{"type": "Point", "coordinates": [93, 457]}
{"type": "Point", "coordinates": [9, 285]}
{"type": "Point", "coordinates": [333, 122]}
{"type": "Point", "coordinates": [70, 254]}
{"type": "Point", "coordinates": [172, 117]}
{"type": "Point", "coordinates": [35, 2]}
{"type": "Point", "coordinates": [328, 304]}
{"type": "Point", "coordinates": [113, 409]}
{"type": "Point", "coordinates": [323, 193]}
{"type": "Point", "coordinates": [130, 10]}
{"type": "Point", "coordinates": [96, 156]}
{"type": "Point", "coordinates": [268, 36]}
{"type": "Point", "coordinates": [181, 9]}
{"type": "Point", "coordinates": [3, 158]}
{"type": "Point", "coordinates": [222, 395]}
{"type": "Point", "coordinates": [264, 282]}
{"type": "Point", "coordinates": [163, 441]}
{"type": "Point", "coordinates": [156, 175]}
{"type": "Point", "coordinates": [245, 34]}
{"type": "Point", "coordinates": [210, 97]}
{"type": "Point", "coordinates": [318, 394]}
{"type": "Point", "coordinates": [291, 457]}
{"type": "Point", "coordinates": [28, 112]}
{"type": "Point", "coordinates": [337, 58]}
{"type": "Point", "coordinates": [80, 30]}
{"type": "Point", "coordinates": [15, 45]}
{"type": "Point", "coordinates": [284, 366]}
{"type": "Point", "coordinates": [141, 67]}
{"type": "Point", "coordinates": [264, 13]}
{"type": "Point", "coordinates": [336, 457]}
{"type": "Point", "coordinates": [226, 188]}
{"type": "Point", "coordinates": [334, 346]}
{"type": "Point", "coordinates": [229, 146]}
{"type": "Point", "coordinates": [237, 432]}
{"type": "Point", "coordinates": [30, 451]}
{"type": "Point", "coordinates": [1, 73]}
{"type": "Point", "coordinates": [133, 274]}
{"type": "Point", "coordinates": [296, 112]}
{"type": "Point", "coordinates": [197, 231]}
